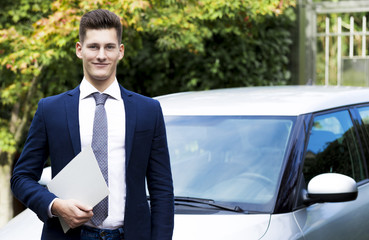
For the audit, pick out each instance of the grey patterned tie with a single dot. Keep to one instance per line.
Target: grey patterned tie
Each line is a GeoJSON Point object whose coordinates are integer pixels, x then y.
{"type": "Point", "coordinates": [100, 147]}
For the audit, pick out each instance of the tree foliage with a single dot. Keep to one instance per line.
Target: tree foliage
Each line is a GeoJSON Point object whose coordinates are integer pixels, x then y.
{"type": "Point", "coordinates": [171, 45]}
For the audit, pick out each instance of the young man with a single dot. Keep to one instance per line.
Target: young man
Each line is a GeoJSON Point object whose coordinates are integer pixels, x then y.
{"type": "Point", "coordinates": [132, 145]}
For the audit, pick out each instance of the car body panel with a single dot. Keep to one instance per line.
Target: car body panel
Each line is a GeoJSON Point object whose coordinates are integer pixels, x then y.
{"type": "Point", "coordinates": [220, 226]}
{"type": "Point", "coordinates": [25, 225]}
{"type": "Point", "coordinates": [273, 101]}
{"type": "Point", "coordinates": [344, 220]}
{"type": "Point", "coordinates": [283, 226]}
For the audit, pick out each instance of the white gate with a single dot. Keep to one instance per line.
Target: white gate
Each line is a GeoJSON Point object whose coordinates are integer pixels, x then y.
{"type": "Point", "coordinates": [335, 36]}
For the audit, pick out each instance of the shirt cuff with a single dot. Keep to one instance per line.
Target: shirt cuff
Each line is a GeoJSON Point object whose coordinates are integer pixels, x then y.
{"type": "Point", "coordinates": [49, 209]}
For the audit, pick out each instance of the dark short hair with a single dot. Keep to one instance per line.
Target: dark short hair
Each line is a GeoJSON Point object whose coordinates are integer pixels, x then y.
{"type": "Point", "coordinates": [100, 19]}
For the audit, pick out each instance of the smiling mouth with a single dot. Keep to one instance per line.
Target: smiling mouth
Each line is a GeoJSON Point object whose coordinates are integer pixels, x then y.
{"type": "Point", "coordinates": [100, 64]}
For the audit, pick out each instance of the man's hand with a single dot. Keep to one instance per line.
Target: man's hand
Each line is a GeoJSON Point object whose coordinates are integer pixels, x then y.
{"type": "Point", "coordinates": [72, 211]}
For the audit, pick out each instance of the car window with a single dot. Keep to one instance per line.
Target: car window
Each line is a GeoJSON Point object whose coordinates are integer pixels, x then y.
{"type": "Point", "coordinates": [225, 158]}
{"type": "Point", "coordinates": [333, 147]}
{"type": "Point", "coordinates": [364, 114]}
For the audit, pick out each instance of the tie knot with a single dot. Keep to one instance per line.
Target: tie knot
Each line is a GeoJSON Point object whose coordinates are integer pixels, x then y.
{"type": "Point", "coordinates": [100, 98]}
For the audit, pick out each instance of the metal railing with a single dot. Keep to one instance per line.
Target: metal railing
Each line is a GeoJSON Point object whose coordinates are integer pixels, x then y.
{"type": "Point", "coordinates": [339, 34]}
{"type": "Point", "coordinates": [310, 13]}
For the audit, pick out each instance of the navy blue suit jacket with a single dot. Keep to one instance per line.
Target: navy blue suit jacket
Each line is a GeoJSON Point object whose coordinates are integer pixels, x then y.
{"type": "Point", "coordinates": [54, 133]}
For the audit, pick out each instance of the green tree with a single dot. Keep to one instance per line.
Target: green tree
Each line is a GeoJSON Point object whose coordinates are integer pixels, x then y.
{"type": "Point", "coordinates": [171, 45]}
{"type": "Point", "coordinates": [211, 44]}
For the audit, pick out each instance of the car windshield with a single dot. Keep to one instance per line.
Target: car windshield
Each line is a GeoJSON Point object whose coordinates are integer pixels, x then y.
{"type": "Point", "coordinates": [228, 159]}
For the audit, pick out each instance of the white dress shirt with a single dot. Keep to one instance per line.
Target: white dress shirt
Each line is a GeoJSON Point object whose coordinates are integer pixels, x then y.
{"type": "Point", "coordinates": [115, 113]}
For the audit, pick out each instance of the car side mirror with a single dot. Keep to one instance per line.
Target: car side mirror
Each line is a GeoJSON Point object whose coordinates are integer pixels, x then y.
{"type": "Point", "coordinates": [331, 187]}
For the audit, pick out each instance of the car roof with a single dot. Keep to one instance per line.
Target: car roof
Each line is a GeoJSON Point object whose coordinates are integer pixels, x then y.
{"type": "Point", "coordinates": [273, 100]}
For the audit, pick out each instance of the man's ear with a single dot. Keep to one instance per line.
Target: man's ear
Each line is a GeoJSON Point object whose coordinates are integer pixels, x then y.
{"type": "Point", "coordinates": [79, 50]}
{"type": "Point", "coordinates": [121, 51]}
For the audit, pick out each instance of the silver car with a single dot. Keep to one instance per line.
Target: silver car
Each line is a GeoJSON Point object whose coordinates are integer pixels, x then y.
{"type": "Point", "coordinates": [266, 163]}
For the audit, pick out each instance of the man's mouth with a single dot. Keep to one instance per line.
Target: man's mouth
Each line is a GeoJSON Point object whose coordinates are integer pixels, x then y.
{"type": "Point", "coordinates": [100, 64]}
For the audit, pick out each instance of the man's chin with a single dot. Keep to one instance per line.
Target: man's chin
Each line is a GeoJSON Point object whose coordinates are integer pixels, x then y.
{"type": "Point", "coordinates": [100, 78]}
{"type": "Point", "coordinates": [99, 81]}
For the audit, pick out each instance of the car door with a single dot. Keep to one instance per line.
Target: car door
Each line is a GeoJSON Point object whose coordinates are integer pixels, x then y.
{"type": "Point", "coordinates": [333, 146]}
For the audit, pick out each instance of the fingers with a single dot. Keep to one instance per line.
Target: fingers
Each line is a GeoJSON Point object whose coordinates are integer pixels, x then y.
{"type": "Point", "coordinates": [73, 212]}
{"type": "Point", "coordinates": [82, 207]}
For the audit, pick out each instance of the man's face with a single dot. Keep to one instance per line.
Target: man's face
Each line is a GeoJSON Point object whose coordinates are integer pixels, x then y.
{"type": "Point", "coordinates": [100, 53]}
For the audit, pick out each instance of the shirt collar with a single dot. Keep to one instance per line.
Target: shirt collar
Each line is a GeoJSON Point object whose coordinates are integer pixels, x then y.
{"type": "Point", "coordinates": [86, 89]}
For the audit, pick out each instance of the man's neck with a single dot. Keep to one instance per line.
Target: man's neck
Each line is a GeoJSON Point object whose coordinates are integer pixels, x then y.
{"type": "Point", "coordinates": [101, 85]}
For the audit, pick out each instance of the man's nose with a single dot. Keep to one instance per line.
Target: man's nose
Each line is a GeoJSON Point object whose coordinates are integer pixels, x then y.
{"type": "Point", "coordinates": [101, 55]}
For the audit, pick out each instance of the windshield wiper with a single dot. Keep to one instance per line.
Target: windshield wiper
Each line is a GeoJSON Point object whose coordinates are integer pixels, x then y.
{"type": "Point", "coordinates": [209, 202]}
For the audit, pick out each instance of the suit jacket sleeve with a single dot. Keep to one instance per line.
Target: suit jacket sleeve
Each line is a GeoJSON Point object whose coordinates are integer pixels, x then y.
{"type": "Point", "coordinates": [29, 167]}
{"type": "Point", "coordinates": [160, 183]}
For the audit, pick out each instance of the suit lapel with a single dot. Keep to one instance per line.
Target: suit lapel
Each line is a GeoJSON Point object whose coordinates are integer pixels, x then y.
{"type": "Point", "coordinates": [71, 106]}
{"type": "Point", "coordinates": [130, 111]}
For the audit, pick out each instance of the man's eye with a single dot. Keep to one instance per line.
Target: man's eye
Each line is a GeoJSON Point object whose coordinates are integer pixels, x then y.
{"type": "Point", "coordinates": [110, 47]}
{"type": "Point", "coordinates": [92, 47]}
